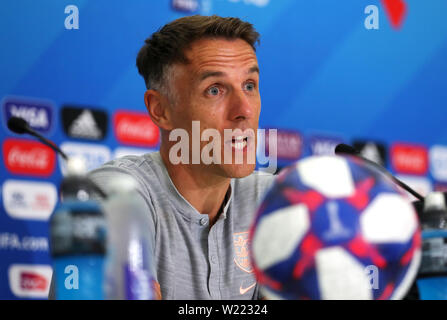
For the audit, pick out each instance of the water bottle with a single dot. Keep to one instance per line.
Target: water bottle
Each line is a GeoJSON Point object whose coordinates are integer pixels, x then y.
{"type": "Point", "coordinates": [78, 239]}
{"type": "Point", "coordinates": [432, 276]}
{"type": "Point", "coordinates": [128, 267]}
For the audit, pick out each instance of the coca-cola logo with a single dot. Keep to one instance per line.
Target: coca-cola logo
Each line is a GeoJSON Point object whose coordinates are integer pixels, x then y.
{"type": "Point", "coordinates": [135, 128]}
{"type": "Point", "coordinates": [26, 157]}
{"type": "Point", "coordinates": [410, 159]}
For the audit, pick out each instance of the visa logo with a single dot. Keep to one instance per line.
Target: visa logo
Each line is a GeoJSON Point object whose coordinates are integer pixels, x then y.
{"type": "Point", "coordinates": [38, 114]}
{"type": "Point", "coordinates": [323, 145]}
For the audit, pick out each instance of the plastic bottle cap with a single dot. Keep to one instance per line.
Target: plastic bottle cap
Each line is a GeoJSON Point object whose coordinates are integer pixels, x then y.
{"type": "Point", "coordinates": [76, 166]}
{"type": "Point", "coordinates": [434, 201]}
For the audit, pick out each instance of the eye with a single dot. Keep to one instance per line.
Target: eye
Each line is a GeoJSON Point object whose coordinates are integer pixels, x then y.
{"type": "Point", "coordinates": [250, 86]}
{"type": "Point", "coordinates": [213, 91]}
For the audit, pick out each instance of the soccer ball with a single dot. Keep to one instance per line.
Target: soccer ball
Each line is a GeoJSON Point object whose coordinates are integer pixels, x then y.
{"type": "Point", "coordinates": [332, 227]}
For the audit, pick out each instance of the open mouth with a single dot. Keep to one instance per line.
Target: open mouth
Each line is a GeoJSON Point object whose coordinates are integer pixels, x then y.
{"type": "Point", "coordinates": [239, 143]}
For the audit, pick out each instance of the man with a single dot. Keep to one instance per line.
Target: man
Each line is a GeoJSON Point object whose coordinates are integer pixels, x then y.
{"type": "Point", "coordinates": [202, 71]}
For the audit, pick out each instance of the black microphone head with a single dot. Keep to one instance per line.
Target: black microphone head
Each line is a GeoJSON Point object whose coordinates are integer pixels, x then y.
{"type": "Point", "coordinates": [18, 125]}
{"type": "Point", "coordinates": [345, 149]}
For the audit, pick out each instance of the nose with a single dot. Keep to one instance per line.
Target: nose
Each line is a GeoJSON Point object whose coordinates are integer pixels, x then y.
{"type": "Point", "coordinates": [242, 106]}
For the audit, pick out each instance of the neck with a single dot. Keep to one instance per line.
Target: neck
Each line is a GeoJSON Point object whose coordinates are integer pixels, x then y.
{"type": "Point", "coordinates": [202, 189]}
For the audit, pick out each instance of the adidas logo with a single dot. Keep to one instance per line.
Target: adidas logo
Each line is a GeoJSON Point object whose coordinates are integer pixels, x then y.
{"type": "Point", "coordinates": [85, 126]}
{"type": "Point", "coordinates": [371, 152]}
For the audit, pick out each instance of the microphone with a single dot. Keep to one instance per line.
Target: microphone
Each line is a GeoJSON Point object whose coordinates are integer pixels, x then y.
{"type": "Point", "coordinates": [344, 149]}
{"type": "Point", "coordinates": [20, 126]}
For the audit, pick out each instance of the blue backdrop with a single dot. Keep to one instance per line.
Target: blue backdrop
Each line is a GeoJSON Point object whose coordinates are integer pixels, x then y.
{"type": "Point", "coordinates": [325, 78]}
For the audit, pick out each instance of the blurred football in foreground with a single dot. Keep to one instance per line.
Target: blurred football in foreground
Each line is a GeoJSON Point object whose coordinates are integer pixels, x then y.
{"type": "Point", "coordinates": [334, 228]}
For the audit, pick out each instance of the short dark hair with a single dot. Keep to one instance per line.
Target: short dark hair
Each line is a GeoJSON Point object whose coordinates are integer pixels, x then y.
{"type": "Point", "coordinates": [168, 44]}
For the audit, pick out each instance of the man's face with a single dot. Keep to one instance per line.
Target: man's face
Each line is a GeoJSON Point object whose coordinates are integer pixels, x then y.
{"type": "Point", "coordinates": [220, 88]}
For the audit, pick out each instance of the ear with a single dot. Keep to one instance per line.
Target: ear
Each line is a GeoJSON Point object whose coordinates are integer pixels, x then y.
{"type": "Point", "coordinates": [158, 108]}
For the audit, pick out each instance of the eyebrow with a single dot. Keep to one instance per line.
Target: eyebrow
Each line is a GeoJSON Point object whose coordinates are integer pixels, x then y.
{"type": "Point", "coordinates": [208, 74]}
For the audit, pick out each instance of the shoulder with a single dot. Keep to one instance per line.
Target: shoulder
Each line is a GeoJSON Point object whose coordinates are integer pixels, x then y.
{"type": "Point", "coordinates": [139, 167]}
{"type": "Point", "coordinates": [130, 162]}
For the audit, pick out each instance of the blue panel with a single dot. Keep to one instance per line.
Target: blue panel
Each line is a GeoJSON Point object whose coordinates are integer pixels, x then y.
{"type": "Point", "coordinates": [323, 74]}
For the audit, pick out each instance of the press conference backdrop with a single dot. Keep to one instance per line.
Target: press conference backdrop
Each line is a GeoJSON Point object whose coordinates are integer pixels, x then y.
{"type": "Point", "coordinates": [331, 71]}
